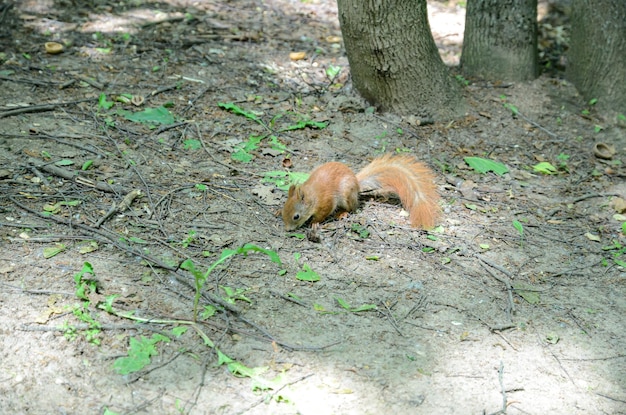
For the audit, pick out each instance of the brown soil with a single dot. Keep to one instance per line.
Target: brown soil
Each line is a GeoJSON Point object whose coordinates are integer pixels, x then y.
{"type": "Point", "coordinates": [469, 319]}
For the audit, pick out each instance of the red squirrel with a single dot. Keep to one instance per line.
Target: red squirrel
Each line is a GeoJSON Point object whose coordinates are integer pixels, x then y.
{"type": "Point", "coordinates": [334, 188]}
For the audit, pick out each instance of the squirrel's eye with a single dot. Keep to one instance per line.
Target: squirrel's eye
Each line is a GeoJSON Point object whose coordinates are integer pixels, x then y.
{"type": "Point", "coordinates": [296, 216]}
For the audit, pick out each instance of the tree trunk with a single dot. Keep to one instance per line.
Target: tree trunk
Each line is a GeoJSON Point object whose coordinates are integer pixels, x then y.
{"type": "Point", "coordinates": [500, 41]}
{"type": "Point", "coordinates": [394, 62]}
{"type": "Point", "coordinates": [597, 56]}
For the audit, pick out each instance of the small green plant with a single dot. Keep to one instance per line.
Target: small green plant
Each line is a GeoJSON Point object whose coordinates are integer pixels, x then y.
{"type": "Point", "coordinates": [201, 278]}
{"type": "Point", "coordinates": [562, 159]}
{"type": "Point", "coordinates": [192, 144]}
{"type": "Point", "coordinates": [461, 80]}
{"type": "Point", "coordinates": [332, 72]}
{"type": "Point", "coordinates": [617, 250]}
{"type": "Point", "coordinates": [360, 230]}
{"type": "Point", "coordinates": [86, 285]}
{"type": "Point", "coordinates": [103, 103]}
{"type": "Point", "coordinates": [243, 152]}
{"type": "Point", "coordinates": [591, 103]}
{"type": "Point", "coordinates": [509, 106]}
{"type": "Point", "coordinates": [141, 349]}
{"type": "Point", "coordinates": [234, 294]}
{"type": "Point", "coordinates": [191, 236]}
{"type": "Point", "coordinates": [306, 273]}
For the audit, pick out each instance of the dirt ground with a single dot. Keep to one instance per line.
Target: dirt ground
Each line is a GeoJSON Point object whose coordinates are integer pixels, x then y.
{"type": "Point", "coordinates": [474, 317]}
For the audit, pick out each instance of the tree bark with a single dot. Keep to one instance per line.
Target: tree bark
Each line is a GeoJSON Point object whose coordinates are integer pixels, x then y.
{"type": "Point", "coordinates": [597, 56]}
{"type": "Point", "coordinates": [394, 62]}
{"type": "Point", "coordinates": [500, 41]}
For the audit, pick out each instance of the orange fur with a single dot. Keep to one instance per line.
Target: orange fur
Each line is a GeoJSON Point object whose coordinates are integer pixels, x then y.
{"type": "Point", "coordinates": [407, 178]}
{"type": "Point", "coordinates": [334, 188]}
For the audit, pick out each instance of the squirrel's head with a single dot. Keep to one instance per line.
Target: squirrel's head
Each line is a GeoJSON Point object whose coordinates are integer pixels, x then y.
{"type": "Point", "coordinates": [294, 212]}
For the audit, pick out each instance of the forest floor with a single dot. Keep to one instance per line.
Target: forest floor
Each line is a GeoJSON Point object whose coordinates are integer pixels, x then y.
{"type": "Point", "coordinates": [515, 303]}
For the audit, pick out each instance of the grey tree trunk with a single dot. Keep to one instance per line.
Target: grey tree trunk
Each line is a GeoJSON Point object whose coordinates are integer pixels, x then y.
{"type": "Point", "coordinates": [500, 41]}
{"type": "Point", "coordinates": [394, 61]}
{"type": "Point", "coordinates": [597, 56]}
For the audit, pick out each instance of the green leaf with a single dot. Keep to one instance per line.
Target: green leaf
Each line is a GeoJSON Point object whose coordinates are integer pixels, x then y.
{"type": "Point", "coordinates": [242, 152]}
{"type": "Point", "coordinates": [251, 247]}
{"type": "Point", "coordinates": [295, 297]}
{"type": "Point", "coordinates": [552, 338]}
{"type": "Point", "coordinates": [222, 358]}
{"type": "Point", "coordinates": [103, 103]}
{"type": "Point", "coordinates": [240, 370]}
{"type": "Point", "coordinates": [141, 349]}
{"type": "Point", "coordinates": [229, 106]}
{"type": "Point", "coordinates": [527, 292]}
{"type": "Point", "coordinates": [275, 144]}
{"type": "Point", "coordinates": [307, 274]}
{"type": "Point", "coordinates": [108, 303]}
{"type": "Point", "coordinates": [277, 178]}
{"type": "Point", "coordinates": [544, 168]}
{"type": "Point", "coordinates": [52, 251]}
{"type": "Point", "coordinates": [343, 303]}
{"type": "Point", "coordinates": [260, 384]}
{"type": "Point", "coordinates": [361, 230]}
{"type": "Point", "coordinates": [192, 144]}
{"type": "Point", "coordinates": [517, 225]}
{"type": "Point", "coordinates": [64, 162]}
{"type": "Point", "coordinates": [242, 156]}
{"type": "Point", "coordinates": [137, 240]}
{"type": "Point", "coordinates": [511, 108]}
{"type": "Point", "coordinates": [208, 312]}
{"type": "Point", "coordinates": [159, 115]}
{"type": "Point", "coordinates": [333, 71]}
{"type": "Point", "coordinates": [364, 307]}
{"type": "Point", "coordinates": [483, 166]}
{"type": "Point", "coordinates": [179, 331]}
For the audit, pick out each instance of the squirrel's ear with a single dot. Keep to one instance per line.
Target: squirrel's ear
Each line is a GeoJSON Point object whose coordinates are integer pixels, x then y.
{"type": "Point", "coordinates": [292, 189]}
{"type": "Point", "coordinates": [300, 194]}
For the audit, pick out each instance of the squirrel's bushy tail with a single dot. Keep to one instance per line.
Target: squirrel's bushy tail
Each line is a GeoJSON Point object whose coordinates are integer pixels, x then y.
{"type": "Point", "coordinates": [410, 180]}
